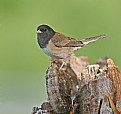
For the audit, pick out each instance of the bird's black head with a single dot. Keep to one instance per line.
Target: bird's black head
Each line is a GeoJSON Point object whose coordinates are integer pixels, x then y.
{"type": "Point", "coordinates": [44, 34]}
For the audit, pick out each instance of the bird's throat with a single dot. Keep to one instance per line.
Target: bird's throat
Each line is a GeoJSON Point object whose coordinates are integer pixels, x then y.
{"type": "Point", "coordinates": [43, 39]}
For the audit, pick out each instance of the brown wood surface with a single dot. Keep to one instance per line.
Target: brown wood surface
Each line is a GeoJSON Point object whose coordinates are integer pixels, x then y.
{"type": "Point", "coordinates": [81, 88]}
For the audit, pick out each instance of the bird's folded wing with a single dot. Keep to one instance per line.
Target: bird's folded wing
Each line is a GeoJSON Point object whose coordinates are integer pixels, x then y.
{"type": "Point", "coordinates": [64, 41]}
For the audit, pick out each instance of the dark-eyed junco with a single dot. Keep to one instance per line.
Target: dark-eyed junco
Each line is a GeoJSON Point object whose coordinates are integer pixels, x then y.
{"type": "Point", "coordinates": [58, 45]}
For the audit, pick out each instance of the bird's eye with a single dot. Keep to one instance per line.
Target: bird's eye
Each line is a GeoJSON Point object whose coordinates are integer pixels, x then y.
{"type": "Point", "coordinates": [43, 29]}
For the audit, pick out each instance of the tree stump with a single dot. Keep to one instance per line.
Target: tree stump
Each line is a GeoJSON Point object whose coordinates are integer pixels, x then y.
{"type": "Point", "coordinates": [92, 89]}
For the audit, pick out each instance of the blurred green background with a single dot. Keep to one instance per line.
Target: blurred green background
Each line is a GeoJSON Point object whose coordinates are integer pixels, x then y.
{"type": "Point", "coordinates": [23, 64]}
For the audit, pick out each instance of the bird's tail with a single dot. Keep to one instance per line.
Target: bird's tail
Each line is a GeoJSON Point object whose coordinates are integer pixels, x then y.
{"type": "Point", "coordinates": [92, 39]}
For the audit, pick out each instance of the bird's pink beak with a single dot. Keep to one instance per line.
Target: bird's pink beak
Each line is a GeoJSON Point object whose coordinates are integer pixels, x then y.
{"type": "Point", "coordinates": [39, 32]}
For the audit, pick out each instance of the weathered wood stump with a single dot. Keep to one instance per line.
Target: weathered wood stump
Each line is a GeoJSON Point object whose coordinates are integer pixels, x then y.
{"type": "Point", "coordinates": [93, 89]}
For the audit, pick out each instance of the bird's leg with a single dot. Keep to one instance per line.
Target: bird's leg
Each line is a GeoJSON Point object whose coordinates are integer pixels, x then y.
{"type": "Point", "coordinates": [63, 62]}
{"type": "Point", "coordinates": [60, 62]}
{"type": "Point", "coordinates": [115, 110]}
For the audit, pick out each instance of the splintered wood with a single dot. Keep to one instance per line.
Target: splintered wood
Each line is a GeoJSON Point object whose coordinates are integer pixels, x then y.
{"type": "Point", "coordinates": [81, 88]}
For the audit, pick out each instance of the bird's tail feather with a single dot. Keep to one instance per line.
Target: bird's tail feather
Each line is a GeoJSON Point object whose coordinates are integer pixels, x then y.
{"type": "Point", "coordinates": [92, 39]}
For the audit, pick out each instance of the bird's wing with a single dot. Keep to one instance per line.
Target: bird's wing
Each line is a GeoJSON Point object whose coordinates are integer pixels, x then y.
{"type": "Point", "coordinates": [64, 41]}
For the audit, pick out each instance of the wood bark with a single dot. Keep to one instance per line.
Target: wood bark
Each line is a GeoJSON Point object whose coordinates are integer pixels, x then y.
{"type": "Point", "coordinates": [93, 89]}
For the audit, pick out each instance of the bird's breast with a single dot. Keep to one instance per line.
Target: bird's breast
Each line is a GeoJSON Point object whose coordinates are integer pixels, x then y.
{"type": "Point", "coordinates": [58, 52]}
{"type": "Point", "coordinates": [55, 54]}
{"type": "Point", "coordinates": [49, 52]}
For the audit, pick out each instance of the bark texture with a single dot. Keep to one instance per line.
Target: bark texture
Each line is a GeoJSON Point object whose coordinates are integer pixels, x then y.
{"type": "Point", "coordinates": [80, 88]}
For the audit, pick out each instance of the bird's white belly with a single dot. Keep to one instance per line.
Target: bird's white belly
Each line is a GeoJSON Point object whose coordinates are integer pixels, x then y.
{"type": "Point", "coordinates": [49, 52]}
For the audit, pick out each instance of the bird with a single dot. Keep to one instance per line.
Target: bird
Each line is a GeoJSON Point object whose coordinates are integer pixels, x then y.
{"type": "Point", "coordinates": [60, 46]}
{"type": "Point", "coordinates": [57, 45]}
